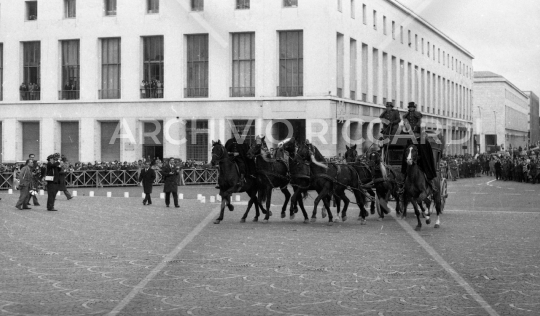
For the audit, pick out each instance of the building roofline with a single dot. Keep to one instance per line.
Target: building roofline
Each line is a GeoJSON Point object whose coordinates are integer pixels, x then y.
{"type": "Point", "coordinates": [499, 79]}
{"type": "Point", "coordinates": [408, 11]}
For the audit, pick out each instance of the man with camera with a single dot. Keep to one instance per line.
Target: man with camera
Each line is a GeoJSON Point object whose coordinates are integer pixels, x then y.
{"type": "Point", "coordinates": [170, 174]}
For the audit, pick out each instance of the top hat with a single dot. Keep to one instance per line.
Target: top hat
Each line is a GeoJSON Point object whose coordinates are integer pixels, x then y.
{"type": "Point", "coordinates": [412, 105]}
{"type": "Point", "coordinates": [390, 104]}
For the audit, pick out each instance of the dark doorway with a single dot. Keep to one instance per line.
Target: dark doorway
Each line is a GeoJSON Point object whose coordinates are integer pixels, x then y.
{"type": "Point", "coordinates": [299, 130]}
{"type": "Point", "coordinates": [153, 152]}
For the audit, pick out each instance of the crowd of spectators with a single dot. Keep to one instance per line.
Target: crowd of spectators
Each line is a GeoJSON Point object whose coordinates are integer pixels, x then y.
{"type": "Point", "coordinates": [151, 89]}
{"type": "Point", "coordinates": [29, 91]}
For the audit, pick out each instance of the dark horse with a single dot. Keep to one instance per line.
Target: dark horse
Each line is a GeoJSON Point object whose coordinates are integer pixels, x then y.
{"type": "Point", "coordinates": [271, 173]}
{"type": "Point", "coordinates": [228, 181]}
{"type": "Point", "coordinates": [417, 190]}
{"type": "Point", "coordinates": [330, 179]}
{"type": "Point", "coordinates": [387, 183]}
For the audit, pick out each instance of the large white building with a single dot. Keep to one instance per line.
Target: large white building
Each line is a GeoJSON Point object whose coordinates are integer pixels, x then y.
{"type": "Point", "coordinates": [221, 65]}
{"type": "Point", "coordinates": [502, 113]}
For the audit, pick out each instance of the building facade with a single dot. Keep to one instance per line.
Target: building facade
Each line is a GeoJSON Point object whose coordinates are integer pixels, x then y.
{"type": "Point", "coordinates": [534, 118]}
{"type": "Point", "coordinates": [102, 80]}
{"type": "Point", "coordinates": [501, 113]}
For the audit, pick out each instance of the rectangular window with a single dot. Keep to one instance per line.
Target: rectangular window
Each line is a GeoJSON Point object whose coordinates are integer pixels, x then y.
{"type": "Point", "coordinates": [110, 7]}
{"type": "Point", "coordinates": [401, 81]}
{"type": "Point", "coordinates": [394, 79]}
{"type": "Point", "coordinates": [375, 19]}
{"type": "Point", "coordinates": [291, 63]}
{"type": "Point", "coordinates": [243, 65]}
{"type": "Point", "coordinates": [1, 78]}
{"type": "Point", "coordinates": [30, 88]}
{"type": "Point", "coordinates": [70, 9]}
{"type": "Point", "coordinates": [428, 49]}
{"type": "Point", "coordinates": [416, 42]}
{"type": "Point", "coordinates": [410, 38]}
{"type": "Point", "coordinates": [353, 67]}
{"type": "Point", "coordinates": [353, 9]}
{"type": "Point", "coordinates": [375, 74]}
{"type": "Point", "coordinates": [422, 46]}
{"type": "Point", "coordinates": [410, 81]}
{"type": "Point", "coordinates": [340, 63]}
{"type": "Point", "coordinates": [384, 24]}
{"type": "Point", "coordinates": [70, 70]}
{"type": "Point", "coordinates": [290, 3]}
{"type": "Point", "coordinates": [197, 5]}
{"type": "Point", "coordinates": [197, 66]}
{"type": "Point", "coordinates": [31, 10]}
{"type": "Point", "coordinates": [393, 30]}
{"type": "Point", "coordinates": [401, 34]}
{"type": "Point", "coordinates": [242, 4]}
{"type": "Point", "coordinates": [197, 140]}
{"type": "Point", "coordinates": [385, 76]}
{"type": "Point", "coordinates": [110, 146]}
{"type": "Point", "coordinates": [153, 68]}
{"type": "Point", "coordinates": [339, 6]}
{"type": "Point", "coordinates": [152, 6]}
{"type": "Point", "coordinates": [364, 72]}
{"type": "Point", "coordinates": [69, 143]}
{"type": "Point", "coordinates": [31, 139]}
{"type": "Point", "coordinates": [364, 13]}
{"type": "Point", "coordinates": [110, 68]}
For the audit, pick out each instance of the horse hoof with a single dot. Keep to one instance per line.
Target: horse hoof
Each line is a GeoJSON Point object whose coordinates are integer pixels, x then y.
{"type": "Point", "coordinates": [283, 215]}
{"type": "Point", "coordinates": [380, 219]}
{"type": "Point", "coordinates": [231, 207]}
{"type": "Point", "coordinates": [403, 217]}
{"type": "Point", "coordinates": [306, 221]}
{"type": "Point", "coordinates": [330, 224]}
{"type": "Point", "coordinates": [313, 220]}
{"type": "Point", "coordinates": [363, 222]}
{"type": "Point", "coordinates": [292, 217]}
{"type": "Point", "coordinates": [323, 214]}
{"type": "Point", "coordinates": [418, 228]}
{"type": "Point", "coordinates": [359, 218]}
{"type": "Point", "coordinates": [344, 218]}
{"type": "Point", "coordinates": [217, 221]}
{"type": "Point", "coordinates": [265, 221]}
{"type": "Point", "coordinates": [428, 221]}
{"type": "Point", "coordinates": [255, 219]}
{"type": "Point", "coordinates": [243, 220]}
{"type": "Point", "coordinates": [437, 226]}
{"type": "Point", "coordinates": [270, 213]}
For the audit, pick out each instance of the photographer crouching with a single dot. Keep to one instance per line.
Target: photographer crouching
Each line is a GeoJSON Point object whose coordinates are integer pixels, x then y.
{"type": "Point", "coordinates": [53, 179]}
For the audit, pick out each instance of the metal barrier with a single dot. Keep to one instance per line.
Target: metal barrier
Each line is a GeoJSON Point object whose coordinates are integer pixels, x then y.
{"type": "Point", "coordinates": [121, 178]}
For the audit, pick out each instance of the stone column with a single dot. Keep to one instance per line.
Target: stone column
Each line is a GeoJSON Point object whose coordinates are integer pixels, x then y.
{"type": "Point", "coordinates": [128, 141]}
{"type": "Point", "coordinates": [11, 144]}
{"type": "Point", "coordinates": [48, 138]}
{"type": "Point", "coordinates": [87, 141]}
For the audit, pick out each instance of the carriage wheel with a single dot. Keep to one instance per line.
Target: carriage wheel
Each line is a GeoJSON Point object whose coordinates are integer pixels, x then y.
{"type": "Point", "coordinates": [444, 193]}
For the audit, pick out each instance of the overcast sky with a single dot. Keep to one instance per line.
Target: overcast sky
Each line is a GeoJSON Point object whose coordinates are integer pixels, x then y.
{"type": "Point", "coordinates": [503, 35]}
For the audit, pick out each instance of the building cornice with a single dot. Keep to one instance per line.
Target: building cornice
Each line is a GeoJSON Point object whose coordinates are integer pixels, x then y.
{"type": "Point", "coordinates": [418, 18]}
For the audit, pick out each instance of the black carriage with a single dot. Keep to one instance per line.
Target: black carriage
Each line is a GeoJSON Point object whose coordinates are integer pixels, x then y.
{"type": "Point", "coordinates": [393, 153]}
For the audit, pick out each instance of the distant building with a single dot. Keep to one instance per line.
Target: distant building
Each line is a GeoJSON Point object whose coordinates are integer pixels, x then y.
{"type": "Point", "coordinates": [218, 66]}
{"type": "Point", "coordinates": [534, 119]}
{"type": "Point", "coordinates": [501, 112]}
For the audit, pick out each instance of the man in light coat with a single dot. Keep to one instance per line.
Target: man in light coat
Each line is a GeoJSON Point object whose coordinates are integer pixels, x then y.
{"type": "Point", "coordinates": [25, 178]}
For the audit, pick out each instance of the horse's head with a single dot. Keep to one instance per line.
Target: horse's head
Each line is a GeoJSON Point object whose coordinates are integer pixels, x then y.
{"type": "Point", "coordinates": [259, 148]}
{"type": "Point", "coordinates": [411, 155]}
{"type": "Point", "coordinates": [218, 152]}
{"type": "Point", "coordinates": [304, 151]}
{"type": "Point", "coordinates": [351, 154]}
{"type": "Point", "coordinates": [290, 147]}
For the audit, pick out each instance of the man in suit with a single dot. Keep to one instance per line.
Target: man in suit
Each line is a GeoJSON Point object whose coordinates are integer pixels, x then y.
{"type": "Point", "coordinates": [36, 173]}
{"type": "Point", "coordinates": [147, 178]}
{"type": "Point", "coordinates": [25, 178]}
{"type": "Point", "coordinates": [53, 170]}
{"type": "Point", "coordinates": [390, 126]}
{"type": "Point", "coordinates": [170, 175]}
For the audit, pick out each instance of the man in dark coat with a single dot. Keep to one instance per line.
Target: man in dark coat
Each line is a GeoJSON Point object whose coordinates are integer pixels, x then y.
{"type": "Point", "coordinates": [170, 175]}
{"type": "Point", "coordinates": [392, 119]}
{"type": "Point", "coordinates": [53, 170]}
{"type": "Point", "coordinates": [26, 179]}
{"type": "Point", "coordinates": [147, 178]}
{"type": "Point", "coordinates": [64, 170]}
{"type": "Point", "coordinates": [239, 152]}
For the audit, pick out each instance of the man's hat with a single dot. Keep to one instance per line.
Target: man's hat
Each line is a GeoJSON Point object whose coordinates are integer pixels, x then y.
{"type": "Point", "coordinates": [390, 104]}
{"type": "Point", "coordinates": [412, 105]}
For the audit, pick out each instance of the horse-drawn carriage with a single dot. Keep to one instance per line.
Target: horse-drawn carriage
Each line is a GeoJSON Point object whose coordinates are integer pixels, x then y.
{"type": "Point", "coordinates": [393, 153]}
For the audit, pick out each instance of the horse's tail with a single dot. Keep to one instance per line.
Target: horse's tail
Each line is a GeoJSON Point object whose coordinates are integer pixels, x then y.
{"type": "Point", "coordinates": [262, 194]}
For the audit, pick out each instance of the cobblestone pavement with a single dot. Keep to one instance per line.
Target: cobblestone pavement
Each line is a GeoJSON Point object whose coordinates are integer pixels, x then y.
{"type": "Point", "coordinates": [98, 255]}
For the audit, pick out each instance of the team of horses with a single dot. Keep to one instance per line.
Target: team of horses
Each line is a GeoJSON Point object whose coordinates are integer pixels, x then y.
{"type": "Point", "coordinates": [302, 167]}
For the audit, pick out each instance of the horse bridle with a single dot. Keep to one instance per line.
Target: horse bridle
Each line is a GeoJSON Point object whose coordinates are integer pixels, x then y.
{"type": "Point", "coordinates": [220, 157]}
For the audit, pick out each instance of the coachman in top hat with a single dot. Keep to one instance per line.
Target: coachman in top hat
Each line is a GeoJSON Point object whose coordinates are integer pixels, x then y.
{"type": "Point", "coordinates": [390, 126]}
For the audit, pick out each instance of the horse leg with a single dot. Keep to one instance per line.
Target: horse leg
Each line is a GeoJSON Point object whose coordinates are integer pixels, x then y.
{"type": "Point", "coordinates": [321, 194]}
{"type": "Point", "coordinates": [223, 204]}
{"type": "Point", "coordinates": [287, 198]}
{"type": "Point", "coordinates": [268, 204]}
{"type": "Point", "coordinates": [294, 202]}
{"type": "Point", "coordinates": [361, 201]}
{"type": "Point", "coordinates": [405, 204]}
{"type": "Point", "coordinates": [326, 203]}
{"type": "Point", "coordinates": [425, 213]}
{"type": "Point", "coordinates": [417, 213]}
{"type": "Point", "coordinates": [301, 203]}
{"type": "Point", "coordinates": [341, 194]}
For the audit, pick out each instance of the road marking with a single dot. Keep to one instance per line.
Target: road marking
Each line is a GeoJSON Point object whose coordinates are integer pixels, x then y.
{"type": "Point", "coordinates": [489, 182]}
{"type": "Point", "coordinates": [479, 193]}
{"type": "Point", "coordinates": [163, 263]}
{"type": "Point", "coordinates": [504, 212]}
{"type": "Point", "coordinates": [445, 266]}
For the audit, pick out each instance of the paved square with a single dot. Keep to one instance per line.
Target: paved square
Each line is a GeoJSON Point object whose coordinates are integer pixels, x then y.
{"type": "Point", "coordinates": [91, 257]}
